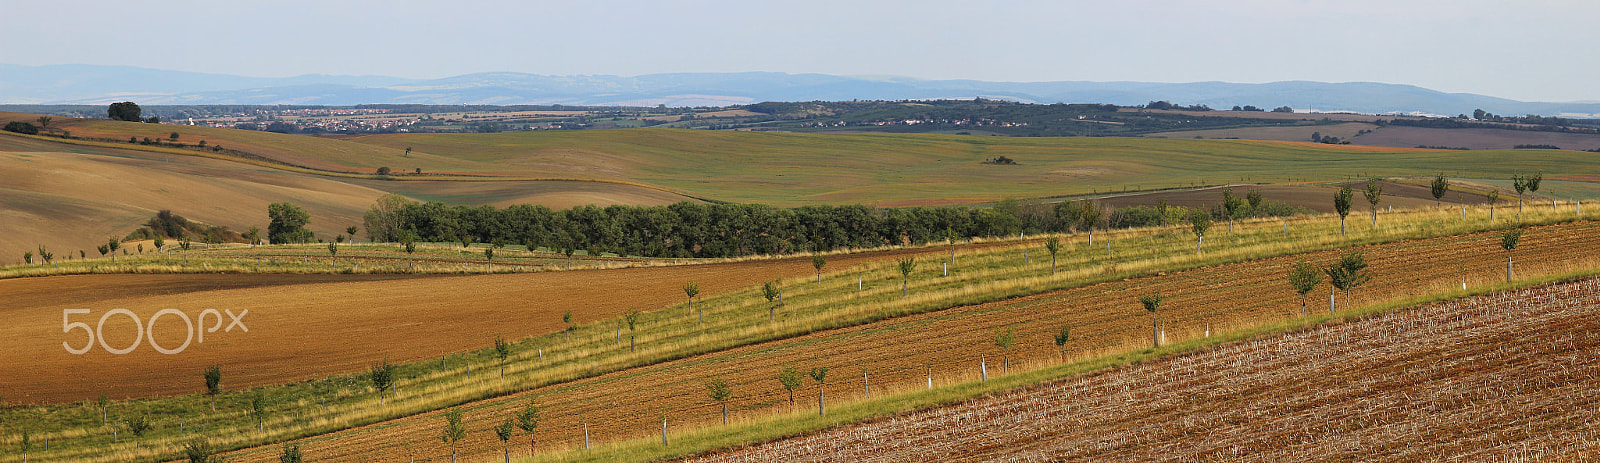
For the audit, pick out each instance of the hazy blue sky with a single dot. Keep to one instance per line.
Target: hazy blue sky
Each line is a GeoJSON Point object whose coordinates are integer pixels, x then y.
{"type": "Point", "coordinates": [1543, 50]}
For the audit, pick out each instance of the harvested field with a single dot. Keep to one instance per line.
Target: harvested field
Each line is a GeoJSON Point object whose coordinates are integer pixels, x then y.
{"type": "Point", "coordinates": [70, 198]}
{"type": "Point", "coordinates": [302, 326]}
{"type": "Point", "coordinates": [895, 352]}
{"type": "Point", "coordinates": [1504, 377]}
{"type": "Point", "coordinates": [1478, 139]}
{"type": "Point", "coordinates": [1292, 133]}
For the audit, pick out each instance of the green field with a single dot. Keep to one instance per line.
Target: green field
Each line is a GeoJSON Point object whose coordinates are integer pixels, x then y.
{"type": "Point", "coordinates": [793, 169]}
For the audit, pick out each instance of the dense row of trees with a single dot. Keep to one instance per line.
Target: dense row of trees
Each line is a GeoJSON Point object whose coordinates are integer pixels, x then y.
{"type": "Point", "coordinates": [725, 230]}
{"type": "Point", "coordinates": [695, 230]}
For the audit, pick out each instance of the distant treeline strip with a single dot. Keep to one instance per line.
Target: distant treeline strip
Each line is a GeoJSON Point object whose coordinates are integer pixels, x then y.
{"type": "Point", "coordinates": [729, 230]}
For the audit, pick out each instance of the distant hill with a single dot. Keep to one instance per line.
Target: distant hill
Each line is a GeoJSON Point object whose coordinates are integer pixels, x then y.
{"type": "Point", "coordinates": [92, 84]}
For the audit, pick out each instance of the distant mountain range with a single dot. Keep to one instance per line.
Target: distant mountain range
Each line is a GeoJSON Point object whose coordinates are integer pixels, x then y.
{"type": "Point", "coordinates": [92, 84]}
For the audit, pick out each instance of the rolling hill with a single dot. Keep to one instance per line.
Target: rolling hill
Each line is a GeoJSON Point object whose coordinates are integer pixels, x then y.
{"type": "Point", "coordinates": [87, 84]}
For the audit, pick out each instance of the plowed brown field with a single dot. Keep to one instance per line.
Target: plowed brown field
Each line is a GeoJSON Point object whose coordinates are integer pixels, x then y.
{"type": "Point", "coordinates": [1504, 377]}
{"type": "Point", "coordinates": [311, 326]}
{"type": "Point", "coordinates": [1105, 318]}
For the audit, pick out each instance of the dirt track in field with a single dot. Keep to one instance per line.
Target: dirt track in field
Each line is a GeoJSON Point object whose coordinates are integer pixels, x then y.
{"type": "Point", "coordinates": [1504, 377]}
{"type": "Point", "coordinates": [1104, 317]}
{"type": "Point", "coordinates": [310, 326]}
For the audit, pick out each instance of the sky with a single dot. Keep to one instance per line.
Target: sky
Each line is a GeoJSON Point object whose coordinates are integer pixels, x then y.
{"type": "Point", "coordinates": [1531, 50]}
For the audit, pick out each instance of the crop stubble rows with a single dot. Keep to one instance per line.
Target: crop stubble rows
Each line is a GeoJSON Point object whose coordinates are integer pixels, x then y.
{"type": "Point", "coordinates": [1504, 377]}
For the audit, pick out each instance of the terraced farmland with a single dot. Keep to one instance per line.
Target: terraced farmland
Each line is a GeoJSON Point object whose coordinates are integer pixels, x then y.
{"type": "Point", "coordinates": [898, 352]}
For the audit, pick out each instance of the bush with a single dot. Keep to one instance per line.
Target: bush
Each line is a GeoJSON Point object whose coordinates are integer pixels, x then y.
{"type": "Point", "coordinates": [22, 128]}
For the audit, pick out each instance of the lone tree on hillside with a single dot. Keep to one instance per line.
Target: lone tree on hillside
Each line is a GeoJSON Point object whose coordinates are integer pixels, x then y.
{"type": "Point", "coordinates": [1004, 341]}
{"type": "Point", "coordinates": [258, 409]}
{"type": "Point", "coordinates": [1231, 205]}
{"type": "Point", "coordinates": [287, 224]}
{"type": "Point", "coordinates": [906, 265]}
{"type": "Point", "coordinates": [1520, 183]}
{"type": "Point", "coordinates": [1152, 303]}
{"type": "Point", "coordinates": [567, 318]}
{"type": "Point", "coordinates": [124, 111]}
{"type": "Point", "coordinates": [717, 389]}
{"type": "Point", "coordinates": [1508, 242]}
{"type": "Point", "coordinates": [821, 375]}
{"type": "Point", "coordinates": [770, 291]}
{"type": "Point", "coordinates": [1439, 187]}
{"type": "Point", "coordinates": [1347, 274]}
{"type": "Point", "coordinates": [44, 122]}
{"type": "Point", "coordinates": [1089, 215]}
{"type": "Point", "coordinates": [1054, 246]}
{"type": "Point", "coordinates": [1341, 204]}
{"type": "Point", "coordinates": [503, 432]}
{"type": "Point", "coordinates": [382, 376]}
{"type": "Point", "coordinates": [213, 378]}
{"type": "Point", "coordinates": [528, 421]}
{"type": "Point", "coordinates": [137, 426]}
{"type": "Point", "coordinates": [453, 431]}
{"type": "Point", "coordinates": [1199, 222]}
{"type": "Point", "coordinates": [1304, 278]}
{"type": "Point", "coordinates": [690, 289]}
{"type": "Point", "coordinates": [1493, 196]}
{"type": "Point", "coordinates": [632, 317]}
{"type": "Point", "coordinates": [502, 351]}
{"type": "Point", "coordinates": [1374, 194]}
{"type": "Point", "coordinates": [1061, 340]}
{"type": "Point", "coordinates": [791, 379]}
{"type": "Point", "coordinates": [817, 261]}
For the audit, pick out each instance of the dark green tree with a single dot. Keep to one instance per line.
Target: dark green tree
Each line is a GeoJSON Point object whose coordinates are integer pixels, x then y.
{"type": "Point", "coordinates": [906, 265]}
{"type": "Point", "coordinates": [290, 453]}
{"type": "Point", "coordinates": [1053, 244]}
{"type": "Point", "coordinates": [1061, 340]}
{"type": "Point", "coordinates": [124, 111]}
{"type": "Point", "coordinates": [691, 290]}
{"type": "Point", "coordinates": [1199, 222]}
{"type": "Point", "coordinates": [503, 432]}
{"type": "Point", "coordinates": [817, 261]}
{"type": "Point", "coordinates": [1374, 194]}
{"type": "Point", "coordinates": [1341, 204]}
{"type": "Point", "coordinates": [1349, 273]}
{"type": "Point", "coordinates": [632, 317]}
{"type": "Point", "coordinates": [1509, 241]}
{"type": "Point", "coordinates": [382, 376]}
{"type": "Point", "coordinates": [790, 378]}
{"type": "Point", "coordinates": [528, 422]}
{"type": "Point", "coordinates": [820, 374]}
{"type": "Point", "coordinates": [502, 351]}
{"type": "Point", "coordinates": [1004, 341]}
{"type": "Point", "coordinates": [1151, 304]}
{"type": "Point", "coordinates": [1304, 278]}
{"type": "Point", "coordinates": [717, 389]}
{"type": "Point", "coordinates": [454, 432]}
{"type": "Point", "coordinates": [213, 378]}
{"type": "Point", "coordinates": [287, 224]}
{"type": "Point", "coordinates": [1439, 187]}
